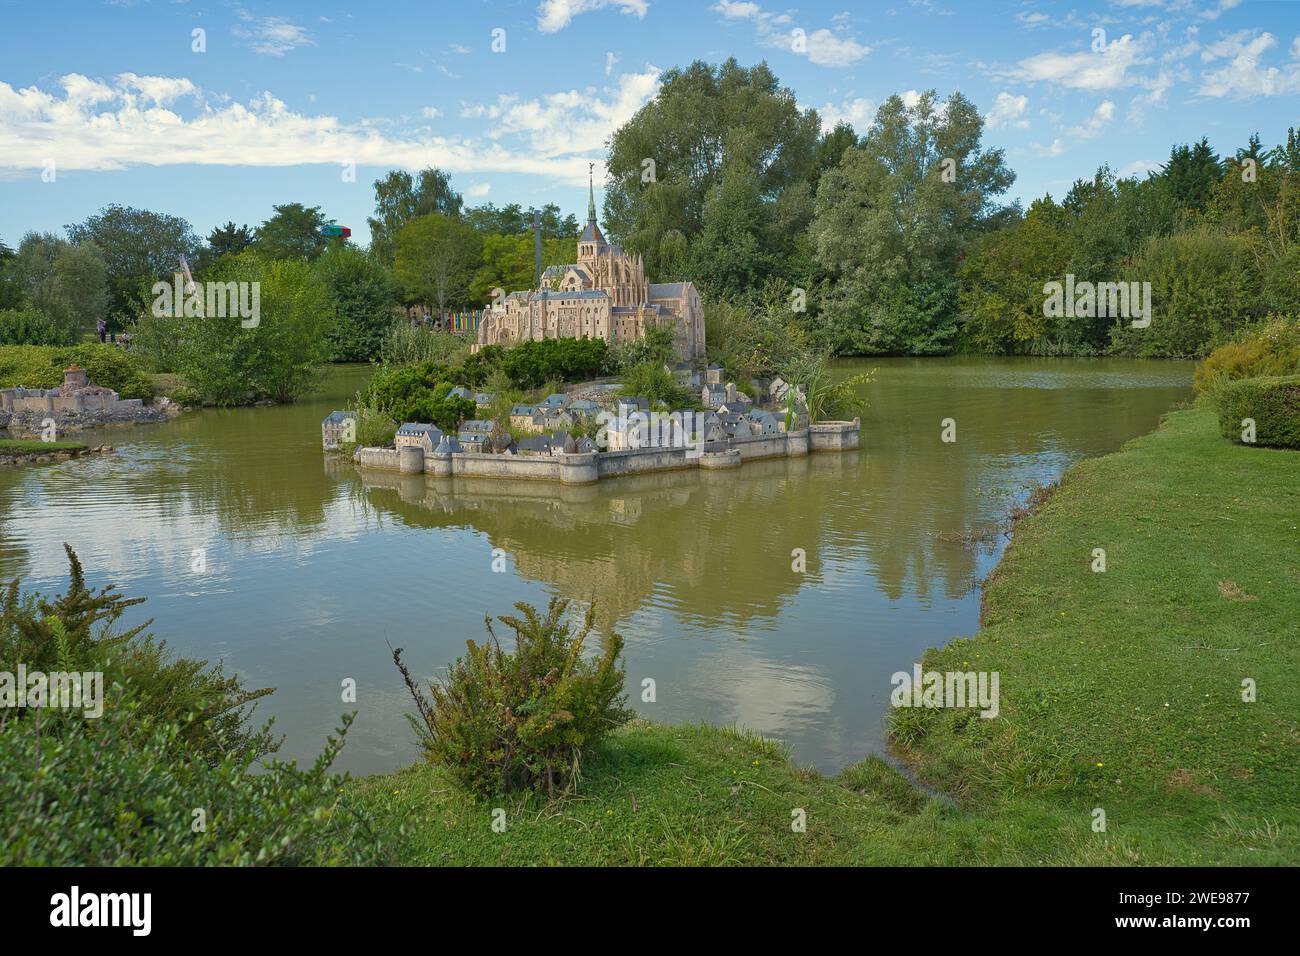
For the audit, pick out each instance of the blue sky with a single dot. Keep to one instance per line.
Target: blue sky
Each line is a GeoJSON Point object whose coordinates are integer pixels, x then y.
{"type": "Point", "coordinates": [285, 94]}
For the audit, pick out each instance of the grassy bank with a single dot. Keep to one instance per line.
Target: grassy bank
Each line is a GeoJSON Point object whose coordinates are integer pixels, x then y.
{"type": "Point", "coordinates": [1120, 691]}
{"type": "Point", "coordinates": [25, 447]}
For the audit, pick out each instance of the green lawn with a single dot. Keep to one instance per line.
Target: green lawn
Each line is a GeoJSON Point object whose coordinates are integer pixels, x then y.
{"type": "Point", "coordinates": [1120, 690]}
{"type": "Point", "coordinates": [34, 446]}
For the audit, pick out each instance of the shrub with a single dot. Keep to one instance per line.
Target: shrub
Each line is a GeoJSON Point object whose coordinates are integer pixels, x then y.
{"type": "Point", "coordinates": [530, 364]}
{"type": "Point", "coordinates": [41, 366]}
{"type": "Point", "coordinates": [522, 719]}
{"type": "Point", "coordinates": [1269, 349]}
{"type": "Point", "coordinates": [1273, 403]}
{"type": "Point", "coordinates": [1203, 291]}
{"type": "Point", "coordinates": [29, 327]}
{"type": "Point", "coordinates": [122, 788]}
{"type": "Point", "coordinates": [407, 344]}
{"type": "Point", "coordinates": [656, 383]}
{"type": "Point", "coordinates": [118, 792]}
{"type": "Point", "coordinates": [73, 632]}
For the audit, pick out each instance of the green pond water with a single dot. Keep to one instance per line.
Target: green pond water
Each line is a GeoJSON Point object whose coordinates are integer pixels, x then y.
{"type": "Point", "coordinates": [311, 566]}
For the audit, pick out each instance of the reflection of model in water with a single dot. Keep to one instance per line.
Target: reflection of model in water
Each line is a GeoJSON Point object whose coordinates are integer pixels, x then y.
{"type": "Point", "coordinates": [625, 539]}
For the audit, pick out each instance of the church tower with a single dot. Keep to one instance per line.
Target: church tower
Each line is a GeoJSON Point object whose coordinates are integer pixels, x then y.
{"type": "Point", "coordinates": [591, 244]}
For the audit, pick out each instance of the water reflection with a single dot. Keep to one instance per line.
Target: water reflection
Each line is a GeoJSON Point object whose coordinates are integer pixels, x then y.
{"type": "Point", "coordinates": [311, 566]}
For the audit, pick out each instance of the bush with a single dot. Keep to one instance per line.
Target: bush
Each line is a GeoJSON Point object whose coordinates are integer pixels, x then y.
{"type": "Point", "coordinates": [73, 632]}
{"type": "Point", "coordinates": [29, 327]}
{"type": "Point", "coordinates": [118, 792]}
{"type": "Point", "coordinates": [41, 366]}
{"type": "Point", "coordinates": [407, 344]}
{"type": "Point", "coordinates": [530, 364]}
{"type": "Point", "coordinates": [417, 393]}
{"type": "Point", "coordinates": [1273, 403]}
{"type": "Point", "coordinates": [1269, 349]}
{"type": "Point", "coordinates": [656, 383]}
{"type": "Point", "coordinates": [122, 788]}
{"type": "Point", "coordinates": [1204, 290]}
{"type": "Point", "coordinates": [522, 719]}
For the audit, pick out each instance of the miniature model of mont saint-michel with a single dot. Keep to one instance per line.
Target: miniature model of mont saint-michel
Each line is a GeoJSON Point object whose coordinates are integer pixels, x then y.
{"type": "Point", "coordinates": [604, 295]}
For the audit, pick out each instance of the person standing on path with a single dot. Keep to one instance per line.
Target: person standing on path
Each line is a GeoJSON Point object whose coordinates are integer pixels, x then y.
{"type": "Point", "coordinates": [102, 328]}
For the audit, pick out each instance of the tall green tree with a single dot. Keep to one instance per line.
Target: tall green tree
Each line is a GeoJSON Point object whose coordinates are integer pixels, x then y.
{"type": "Point", "coordinates": [507, 263]}
{"type": "Point", "coordinates": [233, 360]}
{"type": "Point", "coordinates": [894, 218]}
{"type": "Point", "coordinates": [139, 248]}
{"type": "Point", "coordinates": [1192, 173]}
{"type": "Point", "coordinates": [706, 122]}
{"type": "Point", "coordinates": [66, 283]}
{"type": "Point", "coordinates": [229, 240]}
{"type": "Point", "coordinates": [364, 298]}
{"type": "Point", "coordinates": [437, 257]}
{"type": "Point", "coordinates": [401, 197]}
{"type": "Point", "coordinates": [10, 295]}
{"type": "Point", "coordinates": [293, 232]}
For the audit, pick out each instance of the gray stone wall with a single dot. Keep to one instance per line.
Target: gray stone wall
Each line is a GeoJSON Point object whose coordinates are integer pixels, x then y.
{"type": "Point", "coordinates": [579, 469]}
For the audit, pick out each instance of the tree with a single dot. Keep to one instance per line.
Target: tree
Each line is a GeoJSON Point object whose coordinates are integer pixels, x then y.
{"type": "Point", "coordinates": [400, 198]}
{"type": "Point", "coordinates": [508, 263]}
{"type": "Point", "coordinates": [706, 123]}
{"type": "Point", "coordinates": [729, 257]}
{"type": "Point", "coordinates": [293, 232]}
{"type": "Point", "coordinates": [436, 260]}
{"type": "Point", "coordinates": [1203, 289]}
{"type": "Point", "coordinates": [895, 217]}
{"type": "Point", "coordinates": [229, 240]}
{"type": "Point", "coordinates": [66, 283]}
{"type": "Point", "coordinates": [279, 357]}
{"type": "Point", "coordinates": [1001, 285]}
{"type": "Point", "coordinates": [139, 247]}
{"type": "Point", "coordinates": [1191, 174]}
{"type": "Point", "coordinates": [364, 296]}
{"type": "Point", "coordinates": [514, 220]}
{"type": "Point", "coordinates": [10, 294]}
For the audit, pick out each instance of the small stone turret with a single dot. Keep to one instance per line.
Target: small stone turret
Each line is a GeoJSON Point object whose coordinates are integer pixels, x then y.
{"type": "Point", "coordinates": [75, 377]}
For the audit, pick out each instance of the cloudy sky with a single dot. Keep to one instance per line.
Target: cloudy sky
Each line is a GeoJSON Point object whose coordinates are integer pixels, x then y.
{"type": "Point", "coordinates": [217, 110]}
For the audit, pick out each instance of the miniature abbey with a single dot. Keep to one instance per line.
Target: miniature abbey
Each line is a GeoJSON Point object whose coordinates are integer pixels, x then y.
{"type": "Point", "coordinates": [604, 295]}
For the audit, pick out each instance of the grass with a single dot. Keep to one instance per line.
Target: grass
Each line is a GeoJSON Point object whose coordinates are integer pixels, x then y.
{"type": "Point", "coordinates": [34, 446]}
{"type": "Point", "coordinates": [1120, 691]}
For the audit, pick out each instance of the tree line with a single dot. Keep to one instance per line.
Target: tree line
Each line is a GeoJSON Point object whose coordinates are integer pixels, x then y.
{"type": "Point", "coordinates": [900, 241]}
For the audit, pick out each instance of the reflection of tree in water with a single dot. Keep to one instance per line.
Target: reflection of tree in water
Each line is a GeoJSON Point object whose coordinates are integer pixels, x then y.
{"type": "Point", "coordinates": [717, 546]}
{"type": "Point", "coordinates": [249, 469]}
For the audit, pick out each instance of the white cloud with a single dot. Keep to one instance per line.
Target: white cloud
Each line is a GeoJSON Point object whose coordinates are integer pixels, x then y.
{"type": "Point", "coordinates": [572, 121]}
{"type": "Point", "coordinates": [738, 11]}
{"type": "Point", "coordinates": [822, 46]}
{"type": "Point", "coordinates": [555, 15]}
{"type": "Point", "coordinates": [92, 125]}
{"type": "Point", "coordinates": [458, 48]}
{"type": "Point", "coordinates": [858, 112]}
{"type": "Point", "coordinates": [1008, 111]}
{"type": "Point", "coordinates": [828, 49]}
{"type": "Point", "coordinates": [431, 112]}
{"type": "Point", "coordinates": [478, 190]}
{"type": "Point", "coordinates": [1056, 149]}
{"type": "Point", "coordinates": [610, 60]}
{"type": "Point", "coordinates": [272, 36]}
{"type": "Point", "coordinates": [1243, 77]}
{"type": "Point", "coordinates": [1097, 123]}
{"type": "Point", "coordinates": [1139, 168]}
{"type": "Point", "coordinates": [1106, 70]}
{"type": "Point", "coordinates": [1223, 6]}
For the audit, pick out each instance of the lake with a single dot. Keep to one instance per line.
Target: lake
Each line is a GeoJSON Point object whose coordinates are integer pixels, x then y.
{"type": "Point", "coordinates": [310, 569]}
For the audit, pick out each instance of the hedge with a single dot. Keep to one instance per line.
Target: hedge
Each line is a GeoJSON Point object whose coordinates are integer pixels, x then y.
{"type": "Point", "coordinates": [1273, 404]}
{"type": "Point", "coordinates": [41, 366]}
